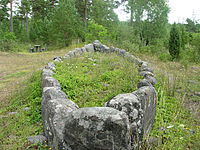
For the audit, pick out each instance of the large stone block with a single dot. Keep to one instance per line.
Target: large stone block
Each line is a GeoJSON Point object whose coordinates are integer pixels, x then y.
{"type": "Point", "coordinates": [97, 128]}
{"type": "Point", "coordinates": [130, 104]}
{"type": "Point", "coordinates": [89, 48]}
{"type": "Point", "coordinates": [148, 98]}
{"type": "Point", "coordinates": [54, 119]}
{"type": "Point", "coordinates": [45, 73]}
{"type": "Point", "coordinates": [50, 82]}
{"type": "Point", "coordinates": [50, 66]}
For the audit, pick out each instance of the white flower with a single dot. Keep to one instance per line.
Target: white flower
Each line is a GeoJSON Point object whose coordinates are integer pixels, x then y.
{"type": "Point", "coordinates": [171, 126]}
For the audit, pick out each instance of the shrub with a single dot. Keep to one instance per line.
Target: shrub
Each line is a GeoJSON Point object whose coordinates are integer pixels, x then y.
{"type": "Point", "coordinates": [174, 42]}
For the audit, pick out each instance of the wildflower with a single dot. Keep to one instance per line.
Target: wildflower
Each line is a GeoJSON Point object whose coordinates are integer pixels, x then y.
{"type": "Point", "coordinates": [170, 127]}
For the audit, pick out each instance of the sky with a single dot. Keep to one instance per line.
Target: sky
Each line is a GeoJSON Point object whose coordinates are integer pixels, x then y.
{"type": "Point", "coordinates": [180, 10]}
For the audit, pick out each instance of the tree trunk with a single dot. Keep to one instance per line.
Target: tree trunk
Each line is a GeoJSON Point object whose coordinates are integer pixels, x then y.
{"type": "Point", "coordinates": [52, 3]}
{"type": "Point", "coordinates": [11, 17]}
{"type": "Point", "coordinates": [85, 18]}
{"type": "Point", "coordinates": [131, 21]}
{"type": "Point", "coordinates": [27, 31]}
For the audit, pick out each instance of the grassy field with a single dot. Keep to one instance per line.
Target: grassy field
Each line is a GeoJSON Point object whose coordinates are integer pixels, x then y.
{"type": "Point", "coordinates": [176, 123]}
{"type": "Point", "coordinates": [93, 79]}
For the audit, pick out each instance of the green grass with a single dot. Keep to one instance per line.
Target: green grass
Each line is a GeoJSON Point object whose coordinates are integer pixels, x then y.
{"type": "Point", "coordinates": [93, 79]}
{"type": "Point", "coordinates": [17, 74]}
{"type": "Point", "coordinates": [174, 126]}
{"type": "Point", "coordinates": [15, 128]}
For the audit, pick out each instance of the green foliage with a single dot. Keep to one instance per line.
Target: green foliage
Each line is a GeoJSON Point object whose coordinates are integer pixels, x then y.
{"type": "Point", "coordinates": [93, 79]}
{"type": "Point", "coordinates": [184, 37]}
{"type": "Point", "coordinates": [174, 42]}
{"type": "Point", "coordinates": [97, 31]}
{"type": "Point", "coordinates": [170, 126]}
{"type": "Point", "coordinates": [30, 96]}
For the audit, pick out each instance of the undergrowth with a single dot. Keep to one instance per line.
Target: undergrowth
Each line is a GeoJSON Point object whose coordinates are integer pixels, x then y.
{"type": "Point", "coordinates": [93, 79]}
{"type": "Point", "coordinates": [174, 126]}
{"type": "Point", "coordinates": [25, 119]}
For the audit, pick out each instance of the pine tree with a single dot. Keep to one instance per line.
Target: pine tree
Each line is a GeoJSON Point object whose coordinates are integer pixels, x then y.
{"type": "Point", "coordinates": [174, 42]}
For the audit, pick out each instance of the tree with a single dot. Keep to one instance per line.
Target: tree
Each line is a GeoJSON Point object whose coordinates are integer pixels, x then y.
{"type": "Point", "coordinates": [3, 10]}
{"type": "Point", "coordinates": [11, 16]}
{"type": "Point", "coordinates": [174, 42]}
{"type": "Point", "coordinates": [24, 11]}
{"type": "Point", "coordinates": [67, 23]}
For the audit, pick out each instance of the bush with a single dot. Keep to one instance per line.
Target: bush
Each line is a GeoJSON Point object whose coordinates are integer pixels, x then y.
{"type": "Point", "coordinates": [97, 31]}
{"type": "Point", "coordinates": [174, 42]}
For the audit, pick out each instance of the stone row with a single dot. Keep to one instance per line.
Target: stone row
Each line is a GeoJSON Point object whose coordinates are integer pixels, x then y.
{"type": "Point", "coordinates": [120, 125]}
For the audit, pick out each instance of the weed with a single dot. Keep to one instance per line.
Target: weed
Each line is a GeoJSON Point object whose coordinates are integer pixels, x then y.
{"type": "Point", "coordinates": [93, 79]}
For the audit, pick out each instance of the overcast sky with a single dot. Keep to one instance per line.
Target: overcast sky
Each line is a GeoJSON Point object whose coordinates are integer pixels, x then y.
{"type": "Point", "coordinates": [180, 10]}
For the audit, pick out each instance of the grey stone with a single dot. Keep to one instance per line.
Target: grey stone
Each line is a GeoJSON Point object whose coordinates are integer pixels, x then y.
{"type": "Point", "coordinates": [151, 79]}
{"type": "Point", "coordinates": [112, 49]}
{"type": "Point", "coordinates": [78, 52]}
{"type": "Point", "coordinates": [122, 52]}
{"type": "Point", "coordinates": [50, 66]}
{"type": "Point", "coordinates": [38, 139]}
{"type": "Point", "coordinates": [143, 82]}
{"type": "Point", "coordinates": [66, 57]}
{"type": "Point", "coordinates": [50, 82]}
{"type": "Point", "coordinates": [54, 119]}
{"type": "Point", "coordinates": [89, 48]}
{"type": "Point", "coordinates": [144, 64]}
{"type": "Point", "coordinates": [105, 49]}
{"type": "Point", "coordinates": [96, 128]}
{"type": "Point", "coordinates": [45, 73]}
{"type": "Point", "coordinates": [27, 109]}
{"type": "Point", "coordinates": [57, 59]}
{"type": "Point", "coordinates": [197, 93]}
{"type": "Point", "coordinates": [129, 104]}
{"type": "Point", "coordinates": [83, 49]}
{"type": "Point", "coordinates": [145, 69]}
{"type": "Point", "coordinates": [70, 53]}
{"type": "Point", "coordinates": [97, 46]}
{"type": "Point", "coordinates": [148, 98]}
{"type": "Point", "coordinates": [138, 62]}
{"type": "Point", "coordinates": [146, 73]}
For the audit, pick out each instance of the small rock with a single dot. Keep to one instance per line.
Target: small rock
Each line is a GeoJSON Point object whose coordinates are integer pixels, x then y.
{"type": "Point", "coordinates": [27, 109]}
{"type": "Point", "coordinates": [197, 93]}
{"type": "Point", "coordinates": [12, 113]}
{"type": "Point", "coordinates": [38, 139]}
{"type": "Point", "coordinates": [194, 68]}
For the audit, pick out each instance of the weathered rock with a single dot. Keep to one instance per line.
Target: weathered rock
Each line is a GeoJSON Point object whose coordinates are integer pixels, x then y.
{"type": "Point", "coordinates": [96, 128]}
{"type": "Point", "coordinates": [138, 62]}
{"type": "Point", "coordinates": [54, 120]}
{"type": "Point", "coordinates": [50, 93]}
{"type": "Point", "coordinates": [66, 57]}
{"type": "Point", "coordinates": [112, 49]}
{"type": "Point", "coordinates": [122, 52]}
{"type": "Point", "coordinates": [151, 79]}
{"type": "Point", "coordinates": [105, 49]}
{"type": "Point", "coordinates": [148, 98]}
{"type": "Point", "coordinates": [144, 64]}
{"type": "Point", "coordinates": [145, 69]}
{"type": "Point", "coordinates": [97, 46]}
{"type": "Point", "coordinates": [50, 82]}
{"type": "Point", "coordinates": [129, 104]}
{"type": "Point", "coordinates": [89, 48]}
{"type": "Point", "coordinates": [197, 93]}
{"type": "Point", "coordinates": [145, 74]}
{"type": "Point", "coordinates": [78, 52]}
{"type": "Point", "coordinates": [57, 59]}
{"type": "Point", "coordinates": [38, 139]}
{"type": "Point", "coordinates": [70, 53]}
{"type": "Point", "coordinates": [50, 66]}
{"type": "Point", "coordinates": [45, 73]}
{"type": "Point", "coordinates": [83, 49]}
{"type": "Point", "coordinates": [144, 82]}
